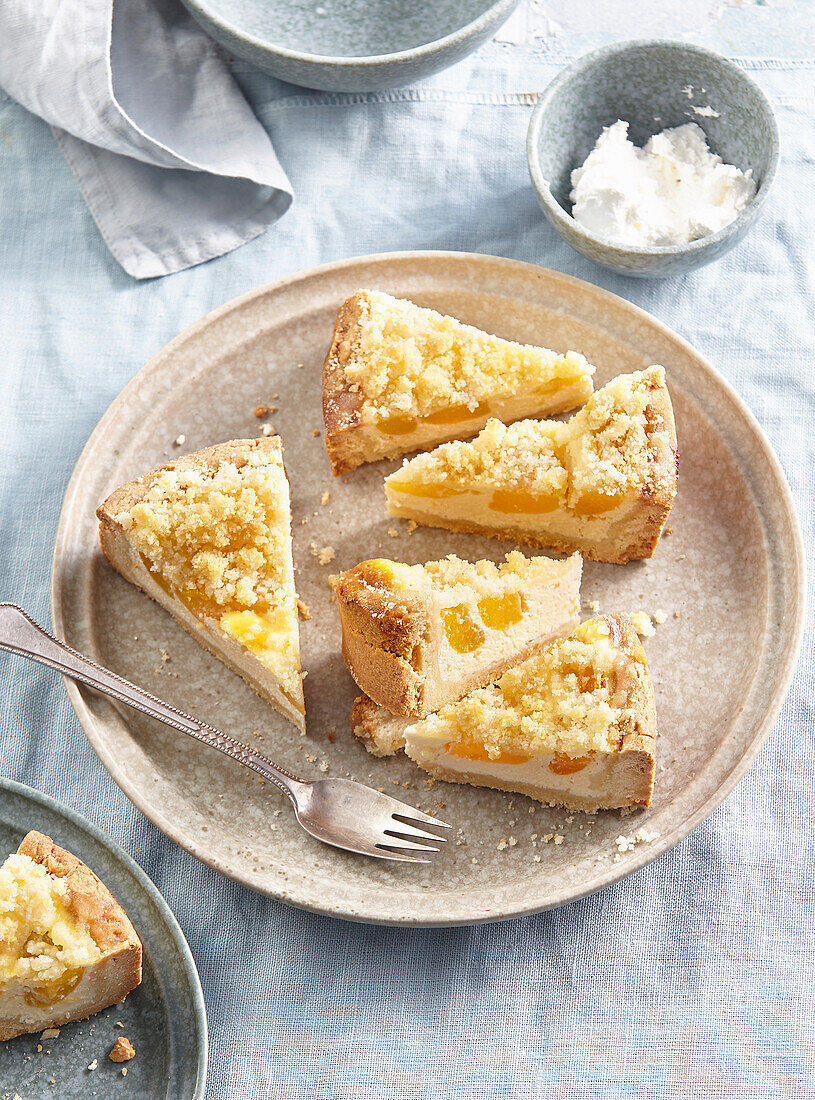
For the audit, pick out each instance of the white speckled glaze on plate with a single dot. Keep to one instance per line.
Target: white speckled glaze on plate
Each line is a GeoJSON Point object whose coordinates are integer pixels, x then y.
{"type": "Point", "coordinates": [732, 569]}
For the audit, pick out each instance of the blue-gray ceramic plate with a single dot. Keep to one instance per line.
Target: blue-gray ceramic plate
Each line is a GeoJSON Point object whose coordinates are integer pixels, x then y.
{"type": "Point", "coordinates": [164, 1017]}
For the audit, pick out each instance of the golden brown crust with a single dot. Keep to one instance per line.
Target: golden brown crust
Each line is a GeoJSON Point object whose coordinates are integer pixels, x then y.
{"type": "Point", "coordinates": [381, 733]}
{"type": "Point", "coordinates": [91, 902]}
{"type": "Point", "coordinates": [341, 405]}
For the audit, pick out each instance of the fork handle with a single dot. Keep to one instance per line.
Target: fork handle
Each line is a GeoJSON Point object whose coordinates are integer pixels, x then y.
{"type": "Point", "coordinates": [21, 635]}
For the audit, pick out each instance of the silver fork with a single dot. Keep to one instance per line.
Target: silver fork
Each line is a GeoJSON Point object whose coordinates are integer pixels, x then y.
{"type": "Point", "coordinates": [338, 811]}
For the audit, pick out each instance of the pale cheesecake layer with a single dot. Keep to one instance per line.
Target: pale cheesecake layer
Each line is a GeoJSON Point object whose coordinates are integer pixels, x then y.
{"type": "Point", "coordinates": [209, 538]}
{"type": "Point", "coordinates": [398, 377]}
{"type": "Point", "coordinates": [602, 483]}
{"type": "Point", "coordinates": [418, 637]}
{"type": "Point", "coordinates": [573, 726]}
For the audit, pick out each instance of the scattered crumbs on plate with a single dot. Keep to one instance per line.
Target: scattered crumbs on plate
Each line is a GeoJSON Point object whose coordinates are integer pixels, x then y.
{"type": "Point", "coordinates": [326, 496]}
{"type": "Point", "coordinates": [641, 621]}
{"type": "Point", "coordinates": [629, 843]}
{"type": "Point", "coordinates": [122, 1050]}
{"type": "Point", "coordinates": [323, 554]}
{"type": "Point", "coordinates": [179, 440]}
{"type": "Point", "coordinates": [304, 609]}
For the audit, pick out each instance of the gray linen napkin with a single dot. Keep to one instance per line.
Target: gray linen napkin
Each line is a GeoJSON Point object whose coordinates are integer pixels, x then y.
{"type": "Point", "coordinates": [173, 164]}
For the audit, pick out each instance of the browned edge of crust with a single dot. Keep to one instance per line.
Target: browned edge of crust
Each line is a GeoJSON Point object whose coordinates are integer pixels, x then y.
{"type": "Point", "coordinates": [340, 405]}
{"type": "Point", "coordinates": [91, 901]}
{"type": "Point", "coordinates": [639, 734]}
{"type": "Point", "coordinates": [367, 723]}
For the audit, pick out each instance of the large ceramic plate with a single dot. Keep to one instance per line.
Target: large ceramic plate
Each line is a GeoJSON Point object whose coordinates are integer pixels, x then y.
{"type": "Point", "coordinates": [729, 578]}
{"type": "Point", "coordinates": [164, 1017]}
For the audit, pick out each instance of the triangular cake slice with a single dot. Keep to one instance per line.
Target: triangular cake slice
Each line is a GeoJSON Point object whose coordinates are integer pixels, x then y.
{"type": "Point", "coordinates": [67, 948]}
{"type": "Point", "coordinates": [209, 537]}
{"type": "Point", "coordinates": [416, 637]}
{"type": "Point", "coordinates": [602, 483]}
{"type": "Point", "coordinates": [573, 726]}
{"type": "Point", "coordinates": [399, 378]}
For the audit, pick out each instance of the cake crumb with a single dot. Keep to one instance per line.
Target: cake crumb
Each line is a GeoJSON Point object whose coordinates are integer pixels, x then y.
{"type": "Point", "coordinates": [50, 1033]}
{"type": "Point", "coordinates": [124, 1071]}
{"type": "Point", "coordinates": [180, 440]}
{"type": "Point", "coordinates": [315, 432]}
{"type": "Point", "coordinates": [660, 617]}
{"type": "Point", "coordinates": [558, 839]}
{"type": "Point", "coordinates": [641, 621]}
{"type": "Point", "coordinates": [324, 499]}
{"type": "Point", "coordinates": [39, 1048]}
{"type": "Point", "coordinates": [92, 1066]}
{"type": "Point", "coordinates": [260, 411]}
{"type": "Point", "coordinates": [331, 738]}
{"type": "Point", "coordinates": [393, 533]}
{"type": "Point", "coordinates": [267, 429]}
{"type": "Point", "coordinates": [323, 554]}
{"type": "Point", "coordinates": [304, 609]}
{"type": "Point", "coordinates": [594, 605]}
{"type": "Point", "coordinates": [512, 842]}
{"type": "Point", "coordinates": [412, 525]}
{"type": "Point", "coordinates": [122, 1050]}
{"type": "Point", "coordinates": [676, 614]}
{"type": "Point", "coordinates": [501, 845]}
{"type": "Point", "coordinates": [629, 843]}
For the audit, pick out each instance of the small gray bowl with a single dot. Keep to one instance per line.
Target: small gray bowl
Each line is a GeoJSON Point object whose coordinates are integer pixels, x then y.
{"type": "Point", "coordinates": [350, 45]}
{"type": "Point", "coordinates": [645, 83]}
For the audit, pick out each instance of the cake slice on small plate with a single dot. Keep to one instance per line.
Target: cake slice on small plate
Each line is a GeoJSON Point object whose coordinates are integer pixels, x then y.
{"type": "Point", "coordinates": [602, 483]}
{"type": "Point", "coordinates": [416, 637]}
{"type": "Point", "coordinates": [209, 537]}
{"type": "Point", "coordinates": [573, 726]}
{"type": "Point", "coordinates": [67, 948]}
{"type": "Point", "coordinates": [398, 378]}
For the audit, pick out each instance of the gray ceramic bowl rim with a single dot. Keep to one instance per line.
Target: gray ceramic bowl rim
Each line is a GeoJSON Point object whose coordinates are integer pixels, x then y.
{"type": "Point", "coordinates": [81, 822]}
{"type": "Point", "coordinates": [493, 12]}
{"type": "Point", "coordinates": [563, 218]}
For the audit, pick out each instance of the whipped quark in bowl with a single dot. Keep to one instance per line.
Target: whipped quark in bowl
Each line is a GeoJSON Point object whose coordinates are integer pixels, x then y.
{"type": "Point", "coordinates": [671, 191]}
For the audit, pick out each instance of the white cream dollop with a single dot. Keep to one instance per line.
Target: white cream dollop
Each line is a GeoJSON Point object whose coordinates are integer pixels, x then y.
{"type": "Point", "coordinates": [672, 191]}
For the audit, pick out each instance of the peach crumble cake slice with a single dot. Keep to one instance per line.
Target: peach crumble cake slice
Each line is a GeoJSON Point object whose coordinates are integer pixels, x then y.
{"type": "Point", "coordinates": [398, 377]}
{"type": "Point", "coordinates": [573, 726]}
{"type": "Point", "coordinates": [67, 948]}
{"type": "Point", "coordinates": [209, 538]}
{"type": "Point", "coordinates": [602, 483]}
{"type": "Point", "coordinates": [416, 637]}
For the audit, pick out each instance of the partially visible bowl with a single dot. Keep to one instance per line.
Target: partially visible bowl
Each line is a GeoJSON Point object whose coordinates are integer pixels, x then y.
{"type": "Point", "coordinates": [351, 45]}
{"type": "Point", "coordinates": [652, 85]}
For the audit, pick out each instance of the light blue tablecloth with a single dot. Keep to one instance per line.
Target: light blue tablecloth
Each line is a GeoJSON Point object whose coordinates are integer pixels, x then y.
{"type": "Point", "coordinates": [693, 978]}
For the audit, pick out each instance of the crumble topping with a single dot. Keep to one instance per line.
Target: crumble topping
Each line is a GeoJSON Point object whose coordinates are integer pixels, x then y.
{"type": "Point", "coordinates": [40, 939]}
{"type": "Point", "coordinates": [411, 361]}
{"type": "Point", "coordinates": [607, 447]}
{"type": "Point", "coordinates": [222, 533]}
{"type": "Point", "coordinates": [565, 699]}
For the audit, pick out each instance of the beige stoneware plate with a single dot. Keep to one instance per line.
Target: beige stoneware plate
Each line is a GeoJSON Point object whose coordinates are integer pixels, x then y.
{"type": "Point", "coordinates": [729, 578]}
